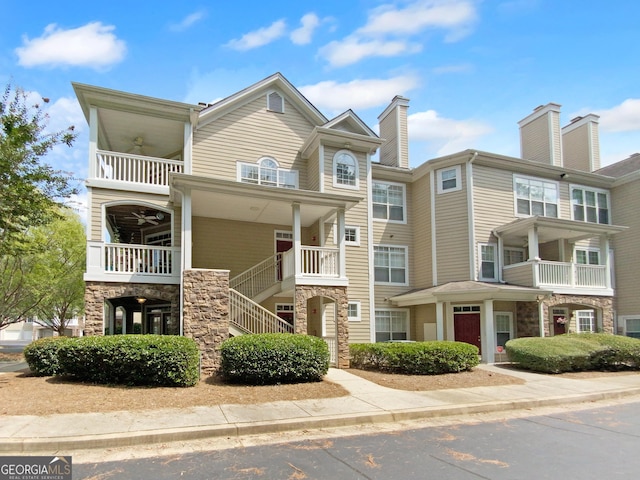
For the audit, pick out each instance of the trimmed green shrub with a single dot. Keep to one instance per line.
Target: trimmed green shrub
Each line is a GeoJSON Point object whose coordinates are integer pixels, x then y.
{"type": "Point", "coordinates": [270, 358]}
{"type": "Point", "coordinates": [418, 358]}
{"type": "Point", "coordinates": [575, 352]}
{"type": "Point", "coordinates": [158, 360]}
{"type": "Point", "coordinates": [42, 355]}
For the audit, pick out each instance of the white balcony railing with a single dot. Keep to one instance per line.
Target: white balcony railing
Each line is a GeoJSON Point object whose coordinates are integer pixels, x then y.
{"type": "Point", "coordinates": [543, 273]}
{"type": "Point", "coordinates": [253, 318]}
{"type": "Point", "coordinates": [124, 167]}
{"type": "Point", "coordinates": [258, 278]}
{"type": "Point", "coordinates": [140, 259]}
{"type": "Point", "coordinates": [315, 262]}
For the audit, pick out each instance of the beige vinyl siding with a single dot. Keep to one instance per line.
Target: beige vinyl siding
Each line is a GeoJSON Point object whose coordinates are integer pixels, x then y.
{"type": "Point", "coordinates": [493, 200]}
{"type": "Point", "coordinates": [100, 197]}
{"type": "Point", "coordinates": [313, 172]}
{"type": "Point", "coordinates": [234, 246]}
{"type": "Point", "coordinates": [421, 225]}
{"type": "Point", "coordinates": [576, 148]}
{"type": "Point", "coordinates": [248, 133]}
{"type": "Point", "coordinates": [452, 234]}
{"type": "Point", "coordinates": [389, 149]}
{"type": "Point", "coordinates": [535, 140]}
{"type": "Point", "coordinates": [421, 315]}
{"type": "Point", "coordinates": [521, 274]}
{"type": "Point", "coordinates": [625, 201]}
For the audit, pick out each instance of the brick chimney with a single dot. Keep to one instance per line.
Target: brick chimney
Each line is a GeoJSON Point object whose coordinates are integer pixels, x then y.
{"type": "Point", "coordinates": [540, 137]}
{"type": "Point", "coordinates": [393, 128]}
{"type": "Point", "coordinates": [581, 143]}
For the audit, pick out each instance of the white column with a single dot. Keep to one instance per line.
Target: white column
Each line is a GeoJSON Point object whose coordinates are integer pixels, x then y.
{"type": "Point", "coordinates": [541, 316]}
{"type": "Point", "coordinates": [188, 145]}
{"type": "Point", "coordinates": [439, 321]}
{"type": "Point", "coordinates": [93, 141]}
{"type": "Point", "coordinates": [297, 239]}
{"type": "Point", "coordinates": [342, 251]}
{"type": "Point", "coordinates": [604, 255]}
{"type": "Point", "coordinates": [488, 340]}
{"type": "Point", "coordinates": [187, 237]}
{"type": "Point", "coordinates": [533, 243]}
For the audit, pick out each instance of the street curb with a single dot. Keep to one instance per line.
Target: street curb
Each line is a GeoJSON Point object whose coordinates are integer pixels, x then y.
{"type": "Point", "coordinates": [234, 430]}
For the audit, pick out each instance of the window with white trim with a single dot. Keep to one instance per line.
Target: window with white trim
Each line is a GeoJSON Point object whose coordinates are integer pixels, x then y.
{"type": "Point", "coordinates": [392, 325]}
{"type": "Point", "coordinates": [275, 102]}
{"type": "Point", "coordinates": [586, 256]}
{"type": "Point", "coordinates": [267, 171]}
{"type": "Point", "coordinates": [449, 179]}
{"type": "Point", "coordinates": [513, 255]}
{"type": "Point", "coordinates": [390, 264]}
{"type": "Point", "coordinates": [535, 196]}
{"type": "Point", "coordinates": [632, 327]}
{"type": "Point", "coordinates": [503, 325]}
{"type": "Point", "coordinates": [488, 261]}
{"type": "Point", "coordinates": [585, 321]}
{"type": "Point", "coordinates": [589, 205]}
{"type": "Point", "coordinates": [389, 201]}
{"type": "Point", "coordinates": [353, 311]}
{"type": "Point", "coordinates": [345, 170]}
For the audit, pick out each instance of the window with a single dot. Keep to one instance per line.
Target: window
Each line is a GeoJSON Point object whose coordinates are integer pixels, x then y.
{"type": "Point", "coordinates": [390, 264]}
{"type": "Point", "coordinates": [345, 170]}
{"type": "Point", "coordinates": [513, 255]}
{"type": "Point", "coordinates": [488, 262]}
{"type": "Point", "coordinates": [275, 102]}
{"type": "Point", "coordinates": [587, 257]}
{"type": "Point", "coordinates": [536, 197]}
{"type": "Point", "coordinates": [351, 235]}
{"type": "Point", "coordinates": [503, 328]}
{"type": "Point", "coordinates": [353, 311]}
{"type": "Point", "coordinates": [267, 172]}
{"type": "Point", "coordinates": [388, 201]}
{"type": "Point", "coordinates": [585, 321]}
{"type": "Point", "coordinates": [466, 309]}
{"type": "Point", "coordinates": [590, 205]}
{"type": "Point", "coordinates": [391, 325]}
{"type": "Point", "coordinates": [449, 179]}
{"type": "Point", "coordinates": [632, 327]}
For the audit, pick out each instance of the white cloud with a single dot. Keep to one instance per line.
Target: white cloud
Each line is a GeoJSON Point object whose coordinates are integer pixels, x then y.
{"type": "Point", "coordinates": [389, 30]}
{"type": "Point", "coordinates": [66, 112]}
{"type": "Point", "coordinates": [445, 135]}
{"type": "Point", "coordinates": [93, 45]}
{"type": "Point", "coordinates": [352, 49]}
{"type": "Point", "coordinates": [621, 118]}
{"type": "Point", "coordinates": [303, 34]}
{"type": "Point", "coordinates": [460, 68]}
{"type": "Point", "coordinates": [357, 94]}
{"type": "Point", "coordinates": [260, 37]}
{"type": "Point", "coordinates": [187, 21]}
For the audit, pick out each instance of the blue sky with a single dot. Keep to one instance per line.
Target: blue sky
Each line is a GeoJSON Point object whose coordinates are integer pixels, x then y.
{"type": "Point", "coordinates": [471, 68]}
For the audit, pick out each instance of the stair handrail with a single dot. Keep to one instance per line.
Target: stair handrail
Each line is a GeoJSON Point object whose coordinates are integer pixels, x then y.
{"type": "Point", "coordinates": [252, 317]}
{"type": "Point", "coordinates": [257, 278]}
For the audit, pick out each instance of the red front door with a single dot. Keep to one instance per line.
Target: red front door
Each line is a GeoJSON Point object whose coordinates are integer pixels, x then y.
{"type": "Point", "coordinates": [467, 328]}
{"type": "Point", "coordinates": [559, 321]}
{"type": "Point", "coordinates": [282, 245]}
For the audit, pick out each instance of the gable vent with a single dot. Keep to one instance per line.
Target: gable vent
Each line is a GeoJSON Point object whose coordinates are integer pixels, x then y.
{"type": "Point", "coordinates": [275, 102]}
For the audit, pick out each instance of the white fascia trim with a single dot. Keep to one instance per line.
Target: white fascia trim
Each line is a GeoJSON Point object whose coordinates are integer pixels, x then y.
{"type": "Point", "coordinates": [372, 292]}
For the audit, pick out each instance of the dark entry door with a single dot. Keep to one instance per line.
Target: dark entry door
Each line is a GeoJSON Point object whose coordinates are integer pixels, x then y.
{"type": "Point", "coordinates": [282, 245]}
{"type": "Point", "coordinates": [467, 328]}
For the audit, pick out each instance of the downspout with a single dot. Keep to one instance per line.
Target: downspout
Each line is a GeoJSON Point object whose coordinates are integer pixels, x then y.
{"type": "Point", "coordinates": [471, 217]}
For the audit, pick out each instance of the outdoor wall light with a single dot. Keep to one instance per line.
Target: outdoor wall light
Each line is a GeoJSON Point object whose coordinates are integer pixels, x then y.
{"type": "Point", "coordinates": [141, 300]}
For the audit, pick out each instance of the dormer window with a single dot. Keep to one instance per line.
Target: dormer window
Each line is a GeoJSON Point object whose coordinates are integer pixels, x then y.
{"type": "Point", "coordinates": [275, 102]}
{"type": "Point", "coordinates": [267, 171]}
{"type": "Point", "coordinates": [345, 170]}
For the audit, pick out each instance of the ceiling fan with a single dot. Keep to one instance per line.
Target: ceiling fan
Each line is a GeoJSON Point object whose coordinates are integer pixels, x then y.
{"type": "Point", "coordinates": [138, 144]}
{"type": "Point", "coordinates": [142, 218]}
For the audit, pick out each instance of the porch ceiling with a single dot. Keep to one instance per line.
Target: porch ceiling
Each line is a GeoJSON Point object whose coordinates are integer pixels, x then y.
{"type": "Point", "coordinates": [550, 229]}
{"type": "Point", "coordinates": [468, 291]}
{"type": "Point", "coordinates": [229, 200]}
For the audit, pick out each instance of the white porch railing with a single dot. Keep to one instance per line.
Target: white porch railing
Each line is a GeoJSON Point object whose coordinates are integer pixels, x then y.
{"type": "Point", "coordinates": [333, 349]}
{"type": "Point", "coordinates": [251, 317]}
{"type": "Point", "coordinates": [556, 274]}
{"type": "Point", "coordinates": [258, 278]}
{"type": "Point", "coordinates": [125, 167]}
{"type": "Point", "coordinates": [138, 259]}
{"type": "Point", "coordinates": [315, 262]}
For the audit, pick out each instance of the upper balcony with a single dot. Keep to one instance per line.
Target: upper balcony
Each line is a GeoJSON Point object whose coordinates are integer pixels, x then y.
{"type": "Point", "coordinates": [561, 277]}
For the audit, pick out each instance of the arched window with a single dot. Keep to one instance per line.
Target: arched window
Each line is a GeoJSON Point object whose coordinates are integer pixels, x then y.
{"type": "Point", "coordinates": [345, 170]}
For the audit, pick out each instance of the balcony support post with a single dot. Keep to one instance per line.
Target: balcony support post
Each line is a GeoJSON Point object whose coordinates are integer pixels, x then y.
{"type": "Point", "coordinates": [604, 252]}
{"type": "Point", "coordinates": [342, 267]}
{"type": "Point", "coordinates": [297, 239]}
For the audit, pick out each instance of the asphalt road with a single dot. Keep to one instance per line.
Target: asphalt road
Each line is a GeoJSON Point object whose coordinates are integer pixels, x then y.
{"type": "Point", "coordinates": [566, 444]}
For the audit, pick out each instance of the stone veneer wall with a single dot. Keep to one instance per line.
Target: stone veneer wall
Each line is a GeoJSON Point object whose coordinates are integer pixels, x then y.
{"type": "Point", "coordinates": [96, 293]}
{"type": "Point", "coordinates": [206, 313]}
{"type": "Point", "coordinates": [339, 295]}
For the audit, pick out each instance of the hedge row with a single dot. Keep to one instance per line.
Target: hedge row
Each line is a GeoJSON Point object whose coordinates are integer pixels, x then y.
{"type": "Point", "coordinates": [575, 352]}
{"type": "Point", "coordinates": [419, 358]}
{"type": "Point", "coordinates": [160, 360]}
{"type": "Point", "coordinates": [271, 358]}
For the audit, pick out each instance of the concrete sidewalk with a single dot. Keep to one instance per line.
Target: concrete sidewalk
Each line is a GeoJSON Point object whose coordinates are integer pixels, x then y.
{"type": "Point", "coordinates": [366, 404]}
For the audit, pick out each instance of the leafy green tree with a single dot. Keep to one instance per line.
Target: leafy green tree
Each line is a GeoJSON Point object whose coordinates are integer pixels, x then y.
{"type": "Point", "coordinates": [18, 294]}
{"type": "Point", "coordinates": [29, 189]}
{"type": "Point", "coordinates": [59, 272]}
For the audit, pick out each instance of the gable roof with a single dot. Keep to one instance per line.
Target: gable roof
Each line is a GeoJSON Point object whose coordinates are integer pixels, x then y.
{"type": "Point", "coordinates": [352, 122]}
{"type": "Point", "coordinates": [621, 168]}
{"type": "Point", "coordinates": [275, 81]}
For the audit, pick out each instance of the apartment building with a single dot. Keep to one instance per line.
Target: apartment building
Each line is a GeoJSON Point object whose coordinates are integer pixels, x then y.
{"type": "Point", "coordinates": [257, 213]}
